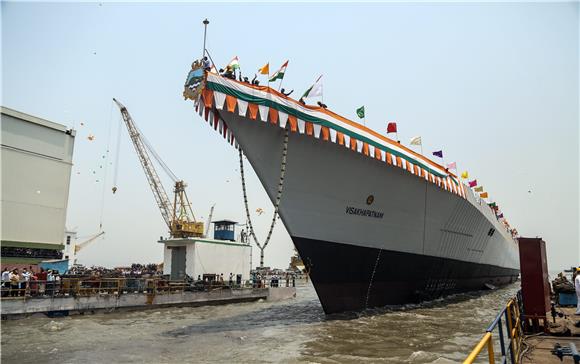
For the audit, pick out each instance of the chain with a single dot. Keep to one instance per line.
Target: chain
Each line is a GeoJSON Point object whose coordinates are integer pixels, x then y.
{"type": "Point", "coordinates": [278, 195]}
{"type": "Point", "coordinates": [372, 278]}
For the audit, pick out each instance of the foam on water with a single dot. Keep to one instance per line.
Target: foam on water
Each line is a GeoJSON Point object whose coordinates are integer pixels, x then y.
{"type": "Point", "coordinates": [439, 331]}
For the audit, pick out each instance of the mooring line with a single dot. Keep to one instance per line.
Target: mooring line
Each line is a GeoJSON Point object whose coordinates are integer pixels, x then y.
{"type": "Point", "coordinates": [372, 278]}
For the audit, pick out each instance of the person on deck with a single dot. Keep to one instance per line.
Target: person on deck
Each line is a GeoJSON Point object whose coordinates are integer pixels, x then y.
{"type": "Point", "coordinates": [577, 286]}
{"type": "Point", "coordinates": [5, 282]}
{"type": "Point", "coordinates": [25, 283]}
{"type": "Point", "coordinates": [42, 277]}
{"type": "Point", "coordinates": [206, 65]}
{"type": "Point", "coordinates": [14, 283]}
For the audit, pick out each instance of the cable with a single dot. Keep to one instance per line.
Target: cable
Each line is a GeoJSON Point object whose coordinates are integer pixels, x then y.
{"type": "Point", "coordinates": [106, 169]}
{"type": "Point", "coordinates": [118, 152]}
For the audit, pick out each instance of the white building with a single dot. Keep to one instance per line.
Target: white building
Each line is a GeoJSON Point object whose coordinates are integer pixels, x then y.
{"type": "Point", "coordinates": [198, 256]}
{"type": "Point", "coordinates": [36, 162]}
{"type": "Point", "coordinates": [69, 251]}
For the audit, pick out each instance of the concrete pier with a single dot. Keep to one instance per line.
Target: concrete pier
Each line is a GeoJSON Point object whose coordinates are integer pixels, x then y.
{"type": "Point", "coordinates": [23, 306]}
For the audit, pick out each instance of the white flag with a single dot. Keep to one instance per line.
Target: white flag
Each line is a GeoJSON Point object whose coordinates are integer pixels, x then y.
{"type": "Point", "coordinates": [416, 140]}
{"type": "Point", "coordinates": [314, 90]}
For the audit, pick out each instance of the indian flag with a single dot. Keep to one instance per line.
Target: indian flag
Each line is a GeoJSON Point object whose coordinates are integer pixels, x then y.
{"type": "Point", "coordinates": [280, 73]}
{"type": "Point", "coordinates": [234, 63]}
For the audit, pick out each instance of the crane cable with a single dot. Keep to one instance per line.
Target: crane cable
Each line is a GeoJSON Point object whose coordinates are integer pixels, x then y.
{"type": "Point", "coordinates": [106, 168]}
{"type": "Point", "coordinates": [149, 148]}
{"type": "Point", "coordinates": [118, 152]}
{"type": "Point", "coordinates": [278, 194]}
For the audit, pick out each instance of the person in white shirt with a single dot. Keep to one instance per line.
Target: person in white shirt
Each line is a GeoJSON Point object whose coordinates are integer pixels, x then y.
{"type": "Point", "coordinates": [5, 282]}
{"type": "Point", "coordinates": [25, 282]}
{"type": "Point", "coordinates": [577, 286]}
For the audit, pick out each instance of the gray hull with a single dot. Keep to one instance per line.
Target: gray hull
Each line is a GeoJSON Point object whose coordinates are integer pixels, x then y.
{"type": "Point", "coordinates": [457, 243]}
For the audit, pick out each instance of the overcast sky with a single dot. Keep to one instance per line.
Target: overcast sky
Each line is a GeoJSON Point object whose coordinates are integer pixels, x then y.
{"type": "Point", "coordinates": [493, 85]}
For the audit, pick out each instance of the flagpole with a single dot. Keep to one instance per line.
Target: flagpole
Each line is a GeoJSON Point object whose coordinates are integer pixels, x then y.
{"type": "Point", "coordinates": [205, 23]}
{"type": "Point", "coordinates": [280, 84]}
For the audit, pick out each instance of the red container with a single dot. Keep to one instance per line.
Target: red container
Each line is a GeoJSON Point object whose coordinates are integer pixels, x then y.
{"type": "Point", "coordinates": [535, 281]}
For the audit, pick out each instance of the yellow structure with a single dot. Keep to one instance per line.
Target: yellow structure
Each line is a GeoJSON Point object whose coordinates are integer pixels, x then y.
{"type": "Point", "coordinates": [178, 216]}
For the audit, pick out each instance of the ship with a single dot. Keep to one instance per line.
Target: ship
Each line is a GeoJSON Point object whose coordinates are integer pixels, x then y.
{"type": "Point", "coordinates": [374, 222]}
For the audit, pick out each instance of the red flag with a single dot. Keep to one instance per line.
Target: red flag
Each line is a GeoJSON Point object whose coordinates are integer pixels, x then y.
{"type": "Point", "coordinates": [391, 128]}
{"type": "Point", "coordinates": [473, 183]}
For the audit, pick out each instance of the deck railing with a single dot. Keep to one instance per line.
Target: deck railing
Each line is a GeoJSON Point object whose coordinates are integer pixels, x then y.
{"type": "Point", "coordinates": [509, 319]}
{"type": "Point", "coordinates": [82, 287]}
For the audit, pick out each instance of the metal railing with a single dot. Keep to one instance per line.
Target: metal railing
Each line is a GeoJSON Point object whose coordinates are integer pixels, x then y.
{"type": "Point", "coordinates": [83, 287]}
{"type": "Point", "coordinates": [509, 319]}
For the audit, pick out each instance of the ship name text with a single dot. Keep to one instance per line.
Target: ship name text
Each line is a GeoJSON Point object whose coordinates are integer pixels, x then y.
{"type": "Point", "coordinates": [364, 212]}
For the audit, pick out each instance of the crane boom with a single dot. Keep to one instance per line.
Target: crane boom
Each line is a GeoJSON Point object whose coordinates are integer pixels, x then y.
{"type": "Point", "coordinates": [152, 177]}
{"type": "Point", "coordinates": [178, 216]}
{"type": "Point", "coordinates": [209, 221]}
{"type": "Point", "coordinates": [80, 246]}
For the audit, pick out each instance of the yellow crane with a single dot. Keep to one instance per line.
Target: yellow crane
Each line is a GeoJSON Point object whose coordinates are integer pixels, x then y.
{"type": "Point", "coordinates": [178, 215]}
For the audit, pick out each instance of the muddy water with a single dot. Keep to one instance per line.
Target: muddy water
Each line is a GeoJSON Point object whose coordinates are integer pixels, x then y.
{"type": "Point", "coordinates": [293, 331]}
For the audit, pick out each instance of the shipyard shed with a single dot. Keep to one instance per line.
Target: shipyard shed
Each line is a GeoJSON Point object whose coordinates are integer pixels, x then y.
{"type": "Point", "coordinates": [36, 158]}
{"type": "Point", "coordinates": [196, 257]}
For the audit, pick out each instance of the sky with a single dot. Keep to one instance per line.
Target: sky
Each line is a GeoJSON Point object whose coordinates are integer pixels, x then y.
{"type": "Point", "coordinates": [495, 86]}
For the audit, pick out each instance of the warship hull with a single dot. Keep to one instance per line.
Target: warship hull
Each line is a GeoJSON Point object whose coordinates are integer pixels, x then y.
{"type": "Point", "coordinates": [415, 241]}
{"type": "Point", "coordinates": [374, 223]}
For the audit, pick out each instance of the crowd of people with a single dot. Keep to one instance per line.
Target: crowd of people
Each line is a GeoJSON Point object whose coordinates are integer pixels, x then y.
{"type": "Point", "coordinates": [27, 282]}
{"type": "Point", "coordinates": [34, 281]}
{"type": "Point", "coordinates": [134, 271]}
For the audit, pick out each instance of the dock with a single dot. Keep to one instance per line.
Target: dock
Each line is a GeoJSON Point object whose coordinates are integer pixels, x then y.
{"type": "Point", "coordinates": [540, 349]}
{"type": "Point", "coordinates": [114, 297]}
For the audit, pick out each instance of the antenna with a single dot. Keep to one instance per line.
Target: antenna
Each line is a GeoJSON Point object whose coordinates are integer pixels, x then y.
{"type": "Point", "coordinates": [205, 23]}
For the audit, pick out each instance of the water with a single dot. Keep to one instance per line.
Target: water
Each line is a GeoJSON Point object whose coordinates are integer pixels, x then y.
{"type": "Point", "coordinates": [442, 331]}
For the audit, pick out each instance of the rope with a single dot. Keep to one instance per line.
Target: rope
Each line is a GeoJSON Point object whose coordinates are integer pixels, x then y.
{"type": "Point", "coordinates": [106, 162]}
{"type": "Point", "coordinates": [278, 195]}
{"type": "Point", "coordinates": [372, 278]}
{"type": "Point", "coordinates": [118, 152]}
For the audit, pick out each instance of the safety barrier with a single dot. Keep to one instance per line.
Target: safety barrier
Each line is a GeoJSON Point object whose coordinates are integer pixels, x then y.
{"type": "Point", "coordinates": [78, 287]}
{"type": "Point", "coordinates": [510, 317]}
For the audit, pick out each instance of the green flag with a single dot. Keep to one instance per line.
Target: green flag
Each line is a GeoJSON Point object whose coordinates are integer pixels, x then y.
{"type": "Point", "coordinates": [360, 112]}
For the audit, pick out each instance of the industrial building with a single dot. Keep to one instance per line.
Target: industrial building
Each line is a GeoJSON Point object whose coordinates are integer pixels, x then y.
{"type": "Point", "coordinates": [208, 259]}
{"type": "Point", "coordinates": [36, 158]}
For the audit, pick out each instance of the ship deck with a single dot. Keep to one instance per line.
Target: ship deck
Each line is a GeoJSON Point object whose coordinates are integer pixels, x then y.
{"type": "Point", "coordinates": [541, 347]}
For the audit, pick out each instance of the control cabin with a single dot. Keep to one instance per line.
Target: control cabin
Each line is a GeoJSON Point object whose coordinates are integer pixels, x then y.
{"type": "Point", "coordinates": [224, 230]}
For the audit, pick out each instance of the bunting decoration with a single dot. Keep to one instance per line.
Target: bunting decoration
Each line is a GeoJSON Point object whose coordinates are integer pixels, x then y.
{"type": "Point", "coordinates": [473, 183]}
{"type": "Point", "coordinates": [464, 175]}
{"type": "Point", "coordinates": [262, 104]}
{"type": "Point", "coordinates": [478, 189]}
{"type": "Point", "coordinates": [391, 127]}
{"type": "Point", "coordinates": [483, 195]}
{"type": "Point", "coordinates": [452, 165]}
{"type": "Point", "coordinates": [278, 75]}
{"type": "Point", "coordinates": [438, 153]}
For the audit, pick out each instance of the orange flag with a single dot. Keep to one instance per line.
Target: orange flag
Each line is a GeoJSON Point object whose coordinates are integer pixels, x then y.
{"type": "Point", "coordinates": [483, 195]}
{"type": "Point", "coordinates": [265, 70]}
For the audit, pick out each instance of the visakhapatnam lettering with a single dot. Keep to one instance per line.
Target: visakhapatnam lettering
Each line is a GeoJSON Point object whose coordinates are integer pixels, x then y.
{"type": "Point", "coordinates": [364, 212]}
